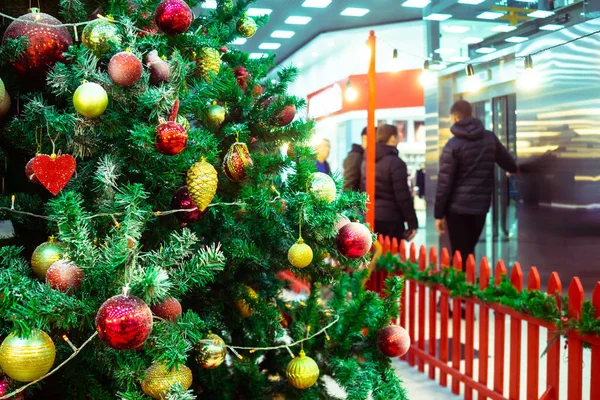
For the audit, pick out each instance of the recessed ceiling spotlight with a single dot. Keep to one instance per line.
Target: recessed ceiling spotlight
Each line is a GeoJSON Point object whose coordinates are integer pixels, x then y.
{"type": "Point", "coordinates": [455, 28]}
{"type": "Point", "coordinates": [269, 46]}
{"type": "Point", "coordinates": [255, 56]}
{"type": "Point", "coordinates": [283, 34]}
{"type": "Point", "coordinates": [541, 14]}
{"type": "Point", "coordinates": [355, 12]}
{"type": "Point", "coordinates": [296, 20]}
{"type": "Point", "coordinates": [437, 17]}
{"type": "Point", "coordinates": [472, 40]}
{"type": "Point", "coordinates": [485, 50]}
{"type": "Point", "coordinates": [258, 12]}
{"type": "Point", "coordinates": [316, 3]}
{"type": "Point", "coordinates": [209, 4]}
{"type": "Point", "coordinates": [239, 41]}
{"type": "Point", "coordinates": [516, 39]}
{"type": "Point", "coordinates": [416, 3]}
{"type": "Point", "coordinates": [445, 50]}
{"type": "Point", "coordinates": [471, 2]}
{"type": "Point", "coordinates": [503, 28]}
{"type": "Point", "coordinates": [551, 27]}
{"type": "Point", "coordinates": [490, 15]}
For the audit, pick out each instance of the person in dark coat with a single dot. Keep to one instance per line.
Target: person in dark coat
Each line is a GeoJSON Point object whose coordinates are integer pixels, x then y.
{"type": "Point", "coordinates": [466, 179]}
{"type": "Point", "coordinates": [394, 206]}
{"type": "Point", "coordinates": [353, 164]}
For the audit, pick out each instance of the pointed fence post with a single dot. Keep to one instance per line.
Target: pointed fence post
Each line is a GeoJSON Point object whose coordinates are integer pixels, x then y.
{"type": "Point", "coordinates": [553, 353]}
{"type": "Point", "coordinates": [499, 332]}
{"type": "Point", "coordinates": [484, 326]}
{"type": "Point", "coordinates": [516, 279]}
{"type": "Point", "coordinates": [456, 328]}
{"type": "Point", "coordinates": [533, 343]}
{"type": "Point", "coordinates": [412, 299]}
{"type": "Point", "coordinates": [595, 375]}
{"type": "Point", "coordinates": [421, 288]}
{"type": "Point", "coordinates": [432, 311]}
{"type": "Point", "coordinates": [403, 310]}
{"type": "Point", "coordinates": [444, 315]}
{"type": "Point", "coordinates": [469, 327]}
{"type": "Point", "coordinates": [575, 348]}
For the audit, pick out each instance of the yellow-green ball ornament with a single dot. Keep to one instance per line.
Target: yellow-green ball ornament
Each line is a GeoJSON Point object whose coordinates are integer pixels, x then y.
{"type": "Point", "coordinates": [90, 100]}
{"type": "Point", "coordinates": [45, 255]}
{"type": "Point", "coordinates": [158, 380]}
{"type": "Point", "coordinates": [211, 352]}
{"type": "Point", "coordinates": [246, 26]}
{"type": "Point", "coordinates": [302, 372]}
{"type": "Point", "coordinates": [101, 37]}
{"type": "Point", "coordinates": [323, 187]}
{"type": "Point", "coordinates": [27, 359]}
{"type": "Point", "coordinates": [216, 115]}
{"type": "Point", "coordinates": [300, 255]}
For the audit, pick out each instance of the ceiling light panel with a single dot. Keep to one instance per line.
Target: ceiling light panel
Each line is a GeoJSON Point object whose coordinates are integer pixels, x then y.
{"type": "Point", "coordinates": [269, 46]}
{"type": "Point", "coordinates": [437, 17]}
{"type": "Point", "coordinates": [239, 41]}
{"type": "Point", "coordinates": [516, 39]}
{"type": "Point", "coordinates": [503, 28]}
{"type": "Point", "coordinates": [471, 2]}
{"type": "Point", "coordinates": [296, 20]}
{"type": "Point", "coordinates": [316, 3]}
{"type": "Point", "coordinates": [485, 50]}
{"type": "Point", "coordinates": [472, 40]}
{"type": "Point", "coordinates": [355, 12]}
{"type": "Point", "coordinates": [540, 14]}
{"type": "Point", "coordinates": [255, 56]}
{"type": "Point", "coordinates": [455, 28]}
{"type": "Point", "coordinates": [209, 4]}
{"type": "Point", "coordinates": [490, 15]}
{"type": "Point", "coordinates": [416, 3]}
{"type": "Point", "coordinates": [258, 12]}
{"type": "Point", "coordinates": [551, 27]}
{"type": "Point", "coordinates": [283, 34]}
{"type": "Point", "coordinates": [459, 59]}
{"type": "Point", "coordinates": [445, 50]}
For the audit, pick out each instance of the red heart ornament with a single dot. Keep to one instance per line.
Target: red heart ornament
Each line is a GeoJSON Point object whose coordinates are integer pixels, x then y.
{"type": "Point", "coordinates": [54, 172]}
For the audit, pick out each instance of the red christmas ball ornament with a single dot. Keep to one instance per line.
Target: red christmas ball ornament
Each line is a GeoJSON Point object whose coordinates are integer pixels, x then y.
{"type": "Point", "coordinates": [4, 386]}
{"type": "Point", "coordinates": [64, 275]}
{"type": "Point", "coordinates": [29, 172]}
{"type": "Point", "coordinates": [243, 76]}
{"type": "Point", "coordinates": [286, 116]}
{"type": "Point", "coordinates": [171, 137]}
{"type": "Point", "coordinates": [182, 201]}
{"type": "Point", "coordinates": [354, 240]}
{"type": "Point", "coordinates": [169, 309]}
{"type": "Point", "coordinates": [236, 161]}
{"type": "Point", "coordinates": [393, 341]}
{"type": "Point", "coordinates": [125, 69]}
{"type": "Point", "coordinates": [124, 322]}
{"type": "Point", "coordinates": [341, 222]}
{"type": "Point", "coordinates": [224, 49]}
{"type": "Point", "coordinates": [173, 17]}
{"type": "Point", "coordinates": [46, 44]}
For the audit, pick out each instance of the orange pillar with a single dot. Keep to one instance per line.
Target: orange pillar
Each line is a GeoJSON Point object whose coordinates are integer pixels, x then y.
{"type": "Point", "coordinates": [371, 135]}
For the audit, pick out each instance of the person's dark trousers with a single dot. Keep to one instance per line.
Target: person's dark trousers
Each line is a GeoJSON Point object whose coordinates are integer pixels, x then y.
{"type": "Point", "coordinates": [390, 228]}
{"type": "Point", "coordinates": [464, 231]}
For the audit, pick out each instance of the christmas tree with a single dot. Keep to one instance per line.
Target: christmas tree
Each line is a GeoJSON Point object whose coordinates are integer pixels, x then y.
{"type": "Point", "coordinates": [149, 150]}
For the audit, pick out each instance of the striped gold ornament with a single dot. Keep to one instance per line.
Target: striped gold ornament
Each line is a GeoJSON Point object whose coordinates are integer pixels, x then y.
{"type": "Point", "coordinates": [159, 380]}
{"type": "Point", "coordinates": [27, 359]}
{"type": "Point", "coordinates": [302, 372]}
{"type": "Point", "coordinates": [236, 161]}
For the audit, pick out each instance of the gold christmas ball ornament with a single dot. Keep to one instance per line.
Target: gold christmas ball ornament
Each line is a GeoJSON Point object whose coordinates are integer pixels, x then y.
{"type": "Point", "coordinates": [90, 100]}
{"type": "Point", "coordinates": [27, 359]}
{"type": "Point", "coordinates": [300, 255]}
{"type": "Point", "coordinates": [45, 255]}
{"type": "Point", "coordinates": [158, 380]}
{"type": "Point", "coordinates": [302, 372]}
{"type": "Point", "coordinates": [211, 352]}
{"type": "Point", "coordinates": [242, 305]}
{"type": "Point", "coordinates": [216, 115]}
{"type": "Point", "coordinates": [202, 180]}
{"type": "Point", "coordinates": [323, 187]}
{"type": "Point", "coordinates": [246, 26]}
{"type": "Point", "coordinates": [208, 61]}
{"type": "Point", "coordinates": [101, 37]}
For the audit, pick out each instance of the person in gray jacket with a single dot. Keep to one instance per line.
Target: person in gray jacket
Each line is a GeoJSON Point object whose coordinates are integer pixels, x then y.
{"type": "Point", "coordinates": [466, 179]}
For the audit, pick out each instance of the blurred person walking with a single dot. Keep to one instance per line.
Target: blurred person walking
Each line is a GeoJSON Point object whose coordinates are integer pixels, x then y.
{"type": "Point", "coordinates": [353, 164]}
{"type": "Point", "coordinates": [466, 179]}
{"type": "Point", "coordinates": [394, 206]}
{"type": "Point", "coordinates": [323, 149]}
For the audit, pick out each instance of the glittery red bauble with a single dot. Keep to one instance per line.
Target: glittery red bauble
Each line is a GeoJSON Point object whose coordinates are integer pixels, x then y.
{"type": "Point", "coordinates": [54, 172]}
{"type": "Point", "coordinates": [169, 309]}
{"type": "Point", "coordinates": [64, 275]}
{"type": "Point", "coordinates": [171, 138]}
{"type": "Point", "coordinates": [125, 69]}
{"type": "Point", "coordinates": [173, 16]}
{"type": "Point", "coordinates": [224, 49]}
{"type": "Point", "coordinates": [243, 76]}
{"type": "Point", "coordinates": [181, 201]}
{"type": "Point", "coordinates": [393, 341]}
{"type": "Point", "coordinates": [286, 116]}
{"type": "Point", "coordinates": [124, 322]}
{"type": "Point", "coordinates": [29, 172]}
{"type": "Point", "coordinates": [46, 43]}
{"type": "Point", "coordinates": [354, 240]}
{"type": "Point", "coordinates": [341, 222]}
{"type": "Point", "coordinates": [3, 386]}
{"type": "Point", "coordinates": [257, 90]}
{"type": "Point", "coordinates": [236, 161]}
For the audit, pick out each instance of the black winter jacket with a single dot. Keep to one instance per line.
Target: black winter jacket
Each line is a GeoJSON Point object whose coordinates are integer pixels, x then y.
{"type": "Point", "coordinates": [393, 200]}
{"type": "Point", "coordinates": [466, 176]}
{"type": "Point", "coordinates": [352, 168]}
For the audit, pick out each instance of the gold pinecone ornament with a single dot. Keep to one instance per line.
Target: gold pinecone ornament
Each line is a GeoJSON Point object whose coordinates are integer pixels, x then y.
{"type": "Point", "coordinates": [302, 372]}
{"type": "Point", "coordinates": [246, 27]}
{"type": "Point", "coordinates": [208, 61]}
{"type": "Point", "coordinates": [159, 380]}
{"type": "Point", "coordinates": [202, 180]}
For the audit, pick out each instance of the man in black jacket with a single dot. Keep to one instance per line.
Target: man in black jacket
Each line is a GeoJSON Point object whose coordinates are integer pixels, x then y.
{"type": "Point", "coordinates": [466, 179]}
{"type": "Point", "coordinates": [394, 205]}
{"type": "Point", "coordinates": [353, 164]}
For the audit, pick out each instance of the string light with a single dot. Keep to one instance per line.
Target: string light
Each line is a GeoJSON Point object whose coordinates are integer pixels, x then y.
{"type": "Point", "coordinates": [529, 79]}
{"type": "Point", "coordinates": [396, 64]}
{"type": "Point", "coordinates": [351, 93]}
{"type": "Point", "coordinates": [426, 77]}
{"type": "Point", "coordinates": [473, 81]}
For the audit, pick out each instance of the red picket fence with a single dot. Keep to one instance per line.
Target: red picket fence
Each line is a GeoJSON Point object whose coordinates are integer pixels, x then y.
{"type": "Point", "coordinates": [423, 310]}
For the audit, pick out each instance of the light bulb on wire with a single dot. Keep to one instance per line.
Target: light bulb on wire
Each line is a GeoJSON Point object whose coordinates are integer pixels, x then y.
{"type": "Point", "coordinates": [426, 77]}
{"type": "Point", "coordinates": [530, 79]}
{"type": "Point", "coordinates": [351, 93]}
{"type": "Point", "coordinates": [396, 64]}
{"type": "Point", "coordinates": [473, 81]}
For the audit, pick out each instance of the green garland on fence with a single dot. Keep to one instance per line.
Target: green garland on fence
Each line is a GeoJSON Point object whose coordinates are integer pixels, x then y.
{"type": "Point", "coordinates": [532, 302]}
